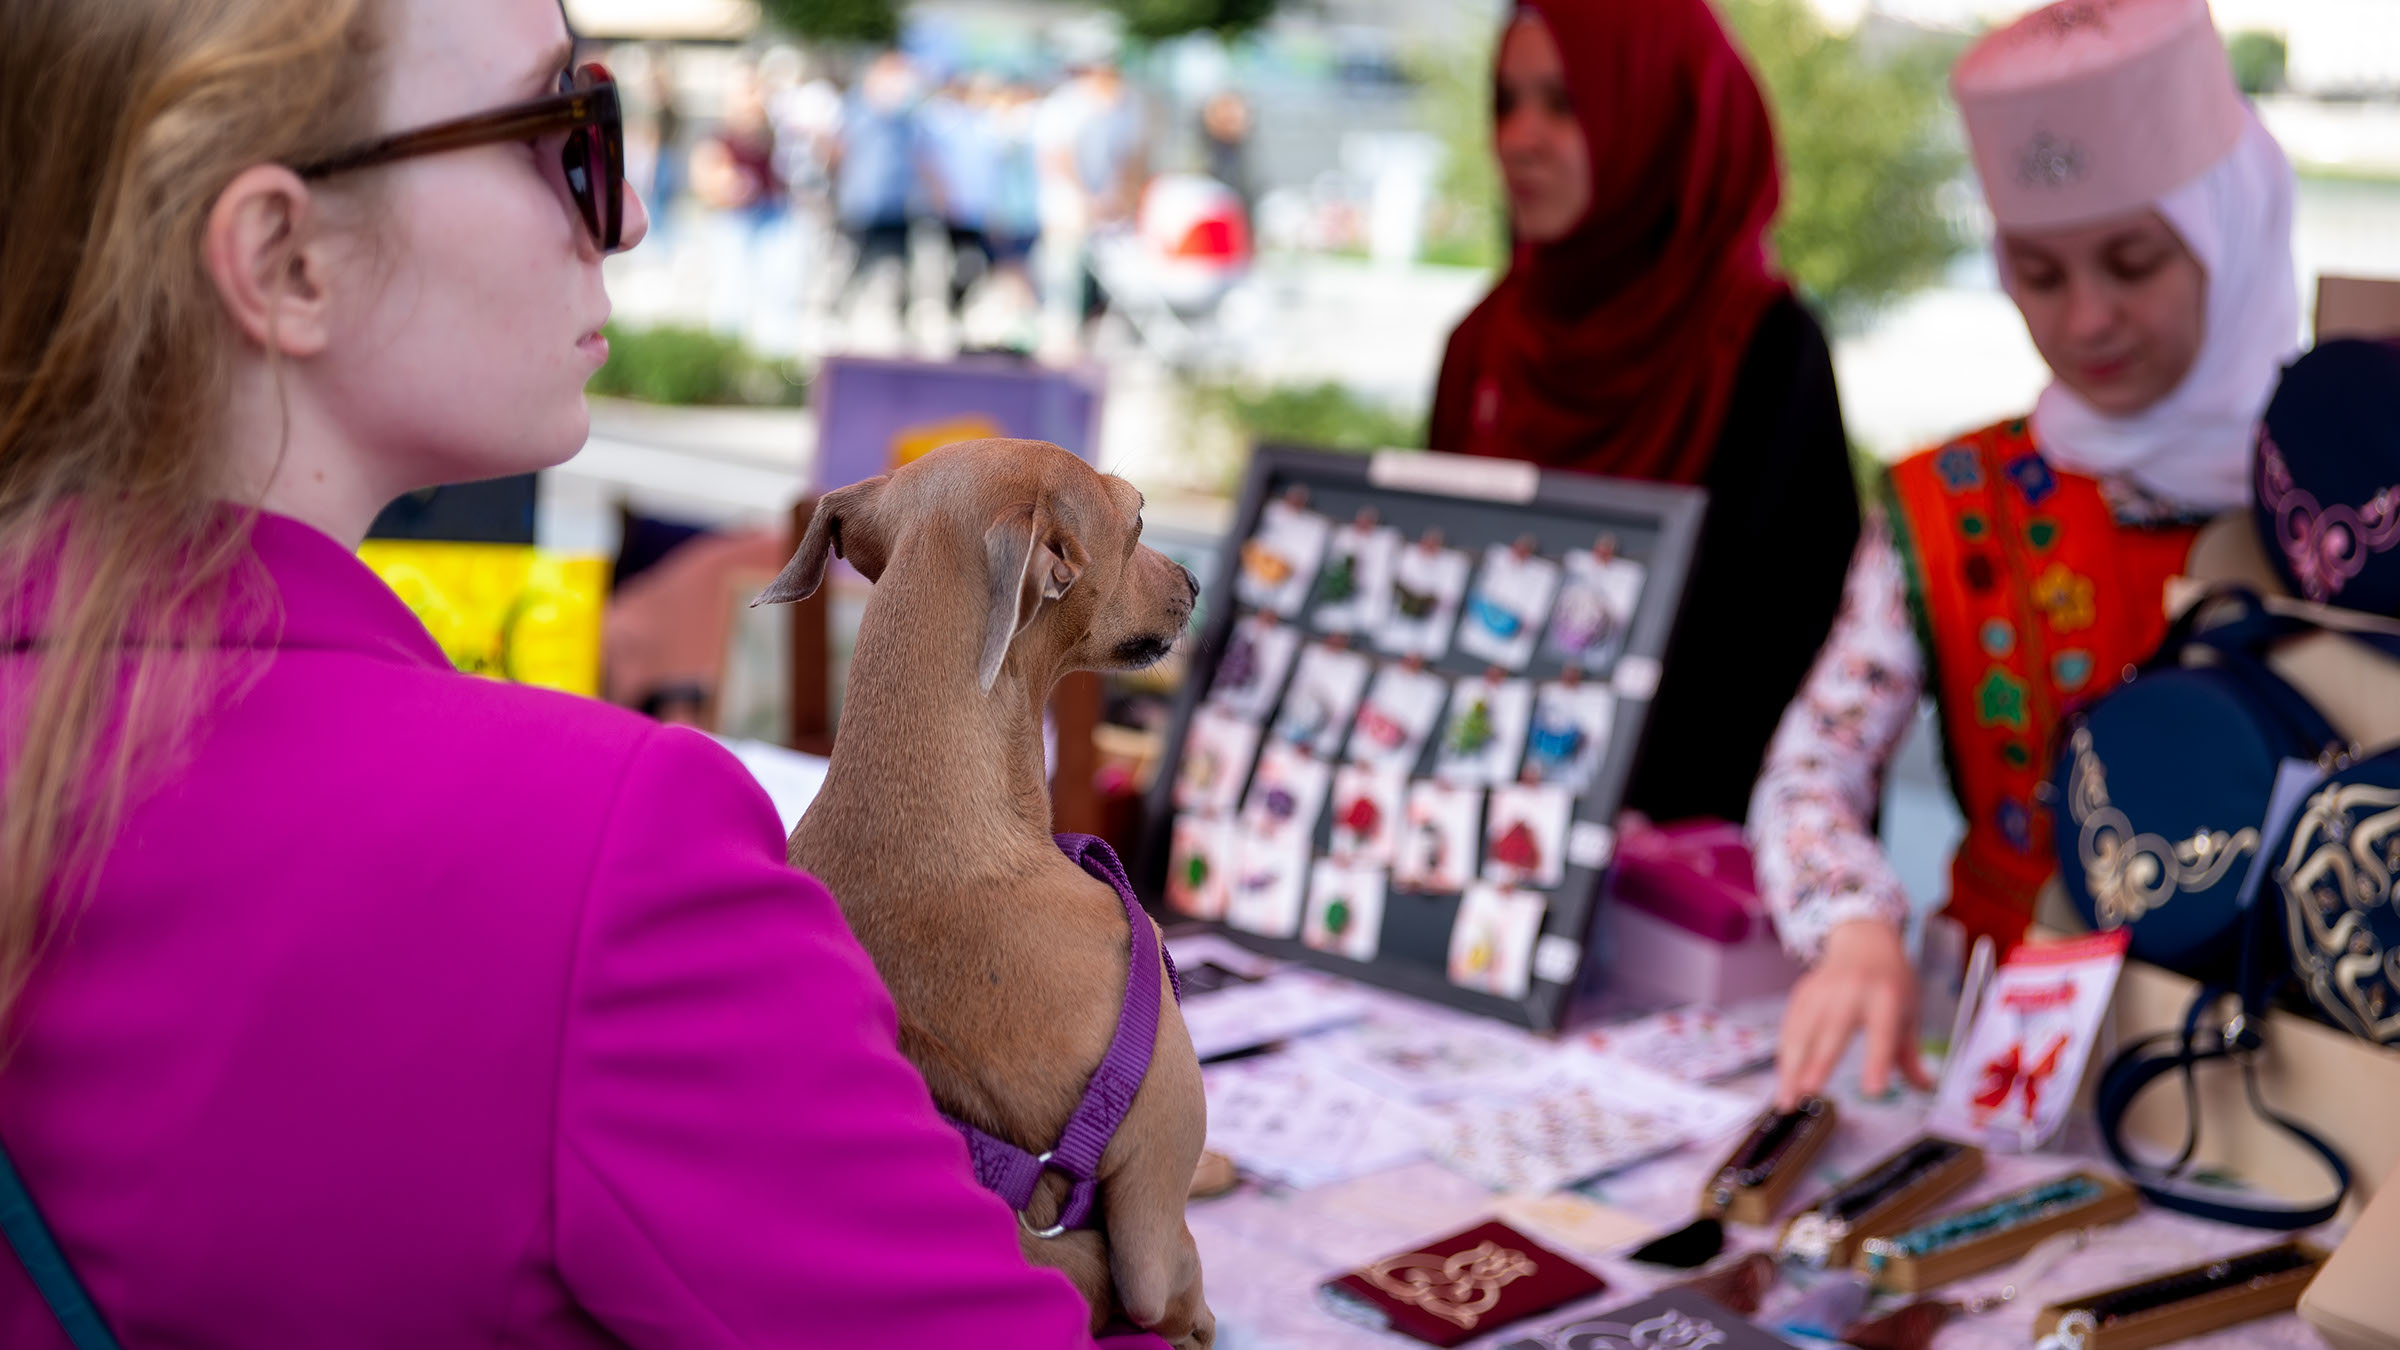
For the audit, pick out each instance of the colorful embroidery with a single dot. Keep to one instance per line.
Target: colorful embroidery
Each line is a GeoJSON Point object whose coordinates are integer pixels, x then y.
{"type": "Point", "coordinates": [2015, 754]}
{"type": "Point", "coordinates": [2000, 700]}
{"type": "Point", "coordinates": [2071, 668]}
{"type": "Point", "coordinates": [1981, 576]}
{"type": "Point", "coordinates": [2066, 598]}
{"type": "Point", "coordinates": [1960, 468]}
{"type": "Point", "coordinates": [1971, 524]}
{"type": "Point", "coordinates": [2032, 477]}
{"type": "Point", "coordinates": [2016, 824]}
{"type": "Point", "coordinates": [2325, 545]}
{"type": "Point", "coordinates": [2041, 532]}
{"type": "Point", "coordinates": [1999, 638]}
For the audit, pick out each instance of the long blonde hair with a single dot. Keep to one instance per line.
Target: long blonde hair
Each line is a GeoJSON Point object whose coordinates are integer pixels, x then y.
{"type": "Point", "coordinates": [121, 569]}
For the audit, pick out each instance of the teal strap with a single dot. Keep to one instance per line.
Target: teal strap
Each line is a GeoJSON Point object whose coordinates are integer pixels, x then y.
{"type": "Point", "coordinates": [31, 1239]}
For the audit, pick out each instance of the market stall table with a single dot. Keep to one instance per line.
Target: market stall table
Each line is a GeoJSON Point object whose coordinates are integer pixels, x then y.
{"type": "Point", "coordinates": [1266, 1246]}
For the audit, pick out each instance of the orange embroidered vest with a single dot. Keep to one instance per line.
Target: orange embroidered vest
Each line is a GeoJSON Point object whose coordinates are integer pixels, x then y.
{"type": "Point", "coordinates": [2030, 597]}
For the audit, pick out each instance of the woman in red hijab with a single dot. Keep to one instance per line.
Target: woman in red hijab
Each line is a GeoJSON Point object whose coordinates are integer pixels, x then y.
{"type": "Point", "coordinates": [1640, 333]}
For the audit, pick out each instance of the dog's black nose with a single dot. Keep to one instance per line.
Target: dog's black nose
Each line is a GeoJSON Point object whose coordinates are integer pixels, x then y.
{"type": "Point", "coordinates": [1190, 582]}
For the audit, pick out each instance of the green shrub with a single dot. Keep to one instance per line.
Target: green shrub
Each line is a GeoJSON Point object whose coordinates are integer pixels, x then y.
{"type": "Point", "coordinates": [2258, 61]}
{"type": "Point", "coordinates": [1328, 416]}
{"type": "Point", "coordinates": [677, 365]}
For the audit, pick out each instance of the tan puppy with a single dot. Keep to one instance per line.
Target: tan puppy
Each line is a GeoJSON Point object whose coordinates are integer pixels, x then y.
{"type": "Point", "coordinates": [998, 567]}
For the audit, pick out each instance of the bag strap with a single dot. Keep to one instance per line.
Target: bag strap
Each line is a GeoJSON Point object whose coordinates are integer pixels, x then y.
{"type": "Point", "coordinates": [47, 1266]}
{"type": "Point", "coordinates": [2136, 1067]}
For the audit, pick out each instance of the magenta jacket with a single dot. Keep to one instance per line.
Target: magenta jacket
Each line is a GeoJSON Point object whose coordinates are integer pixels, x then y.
{"type": "Point", "coordinates": [419, 1010]}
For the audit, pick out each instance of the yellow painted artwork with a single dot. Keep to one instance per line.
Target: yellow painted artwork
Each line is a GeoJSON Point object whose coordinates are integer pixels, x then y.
{"type": "Point", "coordinates": [506, 611]}
{"type": "Point", "coordinates": [913, 443]}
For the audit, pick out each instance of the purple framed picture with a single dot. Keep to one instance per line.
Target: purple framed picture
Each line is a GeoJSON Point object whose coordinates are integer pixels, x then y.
{"type": "Point", "coordinates": [875, 414]}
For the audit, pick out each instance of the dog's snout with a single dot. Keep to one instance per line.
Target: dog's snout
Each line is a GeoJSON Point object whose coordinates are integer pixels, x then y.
{"type": "Point", "coordinates": [1191, 584]}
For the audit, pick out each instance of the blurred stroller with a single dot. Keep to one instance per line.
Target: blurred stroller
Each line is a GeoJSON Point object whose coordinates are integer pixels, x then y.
{"type": "Point", "coordinates": [1172, 274]}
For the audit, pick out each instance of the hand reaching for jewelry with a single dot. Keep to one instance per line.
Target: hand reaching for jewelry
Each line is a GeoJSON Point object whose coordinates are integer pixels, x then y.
{"type": "Point", "coordinates": [1863, 979]}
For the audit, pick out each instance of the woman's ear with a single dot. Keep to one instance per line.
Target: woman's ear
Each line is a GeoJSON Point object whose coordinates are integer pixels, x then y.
{"type": "Point", "coordinates": [268, 261]}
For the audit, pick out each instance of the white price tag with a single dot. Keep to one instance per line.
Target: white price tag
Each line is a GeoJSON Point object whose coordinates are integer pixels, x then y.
{"type": "Point", "coordinates": [1591, 844]}
{"type": "Point", "coordinates": [1637, 677]}
{"type": "Point", "coordinates": [1499, 480]}
{"type": "Point", "coordinates": [1555, 958]}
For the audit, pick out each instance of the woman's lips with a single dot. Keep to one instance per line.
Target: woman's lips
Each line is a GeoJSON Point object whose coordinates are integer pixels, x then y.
{"type": "Point", "coordinates": [2106, 372]}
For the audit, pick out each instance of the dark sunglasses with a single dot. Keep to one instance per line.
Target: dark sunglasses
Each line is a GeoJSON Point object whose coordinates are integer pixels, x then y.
{"type": "Point", "coordinates": [585, 109]}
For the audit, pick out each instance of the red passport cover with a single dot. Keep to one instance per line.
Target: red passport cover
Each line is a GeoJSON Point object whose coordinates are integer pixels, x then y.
{"type": "Point", "coordinates": [1461, 1287]}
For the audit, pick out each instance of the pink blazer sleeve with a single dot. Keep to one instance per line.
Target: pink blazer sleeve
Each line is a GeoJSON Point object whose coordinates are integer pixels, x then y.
{"type": "Point", "coordinates": [743, 1157]}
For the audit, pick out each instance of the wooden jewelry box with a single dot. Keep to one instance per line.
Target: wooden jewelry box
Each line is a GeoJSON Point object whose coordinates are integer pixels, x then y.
{"type": "Point", "coordinates": [1989, 1234]}
{"type": "Point", "coordinates": [1771, 1159]}
{"type": "Point", "coordinates": [1881, 1199]}
{"type": "Point", "coordinates": [2185, 1302]}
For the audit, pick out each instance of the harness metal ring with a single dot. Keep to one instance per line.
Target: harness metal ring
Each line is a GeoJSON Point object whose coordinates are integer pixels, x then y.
{"type": "Point", "coordinates": [1057, 1229]}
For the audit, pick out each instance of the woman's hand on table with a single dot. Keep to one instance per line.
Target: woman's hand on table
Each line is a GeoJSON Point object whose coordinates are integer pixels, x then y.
{"type": "Point", "coordinates": [1863, 980]}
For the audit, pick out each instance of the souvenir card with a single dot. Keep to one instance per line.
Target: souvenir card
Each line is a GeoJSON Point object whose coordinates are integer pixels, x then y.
{"type": "Point", "coordinates": [1287, 794]}
{"type": "Point", "coordinates": [1199, 866]}
{"type": "Point", "coordinates": [1302, 1125]}
{"type": "Point", "coordinates": [1672, 1319]}
{"type": "Point", "coordinates": [1543, 1140]}
{"type": "Point", "coordinates": [1596, 605]}
{"type": "Point", "coordinates": [1279, 562]}
{"type": "Point", "coordinates": [1400, 709]}
{"type": "Point", "coordinates": [1367, 807]}
{"type": "Point", "coordinates": [1485, 732]}
{"type": "Point", "coordinates": [1491, 945]}
{"type": "Point", "coordinates": [1698, 1044]}
{"type": "Point", "coordinates": [1437, 846]}
{"type": "Point", "coordinates": [1505, 610]}
{"type": "Point", "coordinates": [1258, 653]}
{"type": "Point", "coordinates": [1354, 589]}
{"type": "Point", "coordinates": [2008, 1087]}
{"type": "Point", "coordinates": [1216, 762]}
{"type": "Point", "coordinates": [1469, 1284]}
{"type": "Point", "coordinates": [1525, 836]}
{"type": "Point", "coordinates": [1345, 910]}
{"type": "Point", "coordinates": [1270, 880]}
{"type": "Point", "coordinates": [1428, 584]}
{"type": "Point", "coordinates": [1326, 685]}
{"type": "Point", "coordinates": [1572, 721]}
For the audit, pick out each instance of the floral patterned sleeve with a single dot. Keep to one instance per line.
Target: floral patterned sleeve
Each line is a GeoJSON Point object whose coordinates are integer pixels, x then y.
{"type": "Point", "coordinates": [1811, 817]}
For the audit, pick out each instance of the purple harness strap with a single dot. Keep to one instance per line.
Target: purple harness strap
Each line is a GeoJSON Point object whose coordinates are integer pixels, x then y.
{"type": "Point", "coordinates": [1012, 1173]}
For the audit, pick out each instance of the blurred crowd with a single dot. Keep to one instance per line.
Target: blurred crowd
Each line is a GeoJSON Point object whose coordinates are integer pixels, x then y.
{"type": "Point", "coordinates": [822, 193]}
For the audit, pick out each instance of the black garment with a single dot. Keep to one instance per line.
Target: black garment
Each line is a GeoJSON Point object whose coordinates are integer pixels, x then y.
{"type": "Point", "coordinates": [1766, 580]}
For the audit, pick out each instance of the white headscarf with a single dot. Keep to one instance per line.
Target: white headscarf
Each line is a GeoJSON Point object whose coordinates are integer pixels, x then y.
{"type": "Point", "coordinates": [2191, 449]}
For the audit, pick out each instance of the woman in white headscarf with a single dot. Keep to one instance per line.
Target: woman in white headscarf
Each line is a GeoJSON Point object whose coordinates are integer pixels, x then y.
{"type": "Point", "coordinates": [2144, 232]}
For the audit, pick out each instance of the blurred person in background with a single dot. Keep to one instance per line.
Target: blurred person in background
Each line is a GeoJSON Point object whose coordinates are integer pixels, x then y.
{"type": "Point", "coordinates": [349, 999]}
{"type": "Point", "coordinates": [1642, 332]}
{"type": "Point", "coordinates": [666, 137]}
{"type": "Point", "coordinates": [879, 171]}
{"type": "Point", "coordinates": [2015, 570]}
{"type": "Point", "coordinates": [1225, 128]}
{"type": "Point", "coordinates": [963, 159]}
{"type": "Point", "coordinates": [734, 176]}
{"type": "Point", "coordinates": [1091, 147]}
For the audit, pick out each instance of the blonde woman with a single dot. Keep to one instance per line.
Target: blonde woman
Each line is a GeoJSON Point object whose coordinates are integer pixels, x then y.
{"type": "Point", "coordinates": [352, 1001]}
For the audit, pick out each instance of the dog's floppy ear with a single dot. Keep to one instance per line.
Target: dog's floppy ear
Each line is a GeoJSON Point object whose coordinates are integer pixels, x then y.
{"type": "Point", "coordinates": [1033, 561]}
{"type": "Point", "coordinates": [843, 525]}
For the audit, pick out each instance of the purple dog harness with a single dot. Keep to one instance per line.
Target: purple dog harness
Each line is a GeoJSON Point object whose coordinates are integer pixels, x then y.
{"type": "Point", "coordinates": [1012, 1173]}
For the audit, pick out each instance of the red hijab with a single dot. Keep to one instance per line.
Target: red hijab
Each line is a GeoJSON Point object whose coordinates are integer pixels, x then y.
{"type": "Point", "coordinates": [1614, 350]}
